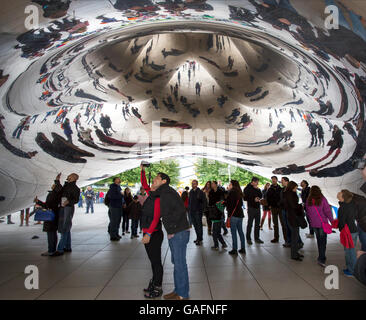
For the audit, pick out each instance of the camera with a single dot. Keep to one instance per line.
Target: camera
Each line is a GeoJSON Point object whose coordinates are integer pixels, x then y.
{"type": "Point", "coordinates": [359, 164]}
{"type": "Point", "coordinates": [145, 164]}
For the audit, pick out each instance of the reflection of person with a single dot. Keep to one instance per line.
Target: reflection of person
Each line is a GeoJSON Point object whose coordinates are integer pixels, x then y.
{"type": "Point", "coordinates": [19, 129]}
{"type": "Point", "coordinates": [69, 197]}
{"type": "Point", "coordinates": [26, 217]}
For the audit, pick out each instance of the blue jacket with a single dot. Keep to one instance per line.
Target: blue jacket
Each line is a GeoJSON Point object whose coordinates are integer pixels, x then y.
{"type": "Point", "coordinates": [115, 195]}
{"type": "Point", "coordinates": [67, 129]}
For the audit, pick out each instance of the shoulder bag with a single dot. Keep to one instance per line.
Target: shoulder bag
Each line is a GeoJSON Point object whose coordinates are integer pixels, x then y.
{"type": "Point", "coordinates": [228, 224]}
{"type": "Point", "coordinates": [327, 228]}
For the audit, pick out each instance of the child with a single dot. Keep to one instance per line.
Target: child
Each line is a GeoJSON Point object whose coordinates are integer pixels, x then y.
{"type": "Point", "coordinates": [134, 213]}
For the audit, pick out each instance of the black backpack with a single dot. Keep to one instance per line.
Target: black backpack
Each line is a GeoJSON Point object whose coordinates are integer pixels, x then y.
{"type": "Point", "coordinates": [107, 200]}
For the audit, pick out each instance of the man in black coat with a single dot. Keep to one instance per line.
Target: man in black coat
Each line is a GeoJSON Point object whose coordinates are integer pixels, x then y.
{"type": "Point", "coordinates": [70, 194]}
{"type": "Point", "coordinates": [195, 209]}
{"type": "Point", "coordinates": [273, 199]}
{"type": "Point", "coordinates": [175, 221]}
{"type": "Point", "coordinates": [252, 194]}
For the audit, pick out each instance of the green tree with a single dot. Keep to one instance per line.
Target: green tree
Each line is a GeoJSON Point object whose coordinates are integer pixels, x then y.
{"type": "Point", "coordinates": [132, 176]}
{"type": "Point", "coordinates": [208, 170]}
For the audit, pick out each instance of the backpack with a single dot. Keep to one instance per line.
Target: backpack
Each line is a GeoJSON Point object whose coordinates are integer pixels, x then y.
{"type": "Point", "coordinates": [107, 200]}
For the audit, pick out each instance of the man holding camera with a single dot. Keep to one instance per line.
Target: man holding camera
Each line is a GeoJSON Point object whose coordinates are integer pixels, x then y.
{"type": "Point", "coordinates": [174, 218]}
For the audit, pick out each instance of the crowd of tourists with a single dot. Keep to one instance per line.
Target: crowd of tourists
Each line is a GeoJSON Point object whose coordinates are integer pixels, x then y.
{"type": "Point", "coordinates": [159, 205]}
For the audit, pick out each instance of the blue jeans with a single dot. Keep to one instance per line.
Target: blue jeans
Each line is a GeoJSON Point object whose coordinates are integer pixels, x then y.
{"type": "Point", "coordinates": [362, 235]}
{"type": "Point", "coordinates": [350, 254]}
{"type": "Point", "coordinates": [178, 249]}
{"type": "Point", "coordinates": [321, 239]}
{"type": "Point", "coordinates": [89, 204]}
{"type": "Point", "coordinates": [236, 225]}
{"type": "Point", "coordinates": [65, 242]}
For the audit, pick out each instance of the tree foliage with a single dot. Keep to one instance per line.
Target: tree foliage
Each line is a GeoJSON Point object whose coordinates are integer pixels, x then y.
{"type": "Point", "coordinates": [209, 170]}
{"type": "Point", "coordinates": [132, 177]}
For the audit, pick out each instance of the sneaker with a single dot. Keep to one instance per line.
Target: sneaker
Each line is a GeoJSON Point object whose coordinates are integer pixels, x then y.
{"type": "Point", "coordinates": [155, 292]}
{"type": "Point", "coordinates": [249, 242]}
{"type": "Point", "coordinates": [67, 250]}
{"type": "Point", "coordinates": [309, 235]}
{"type": "Point", "coordinates": [224, 246]}
{"type": "Point", "coordinates": [274, 241]}
{"type": "Point", "coordinates": [259, 241]}
{"type": "Point", "coordinates": [233, 252]}
{"type": "Point", "coordinates": [215, 248]}
{"type": "Point", "coordinates": [242, 251]}
{"type": "Point", "coordinates": [347, 273]}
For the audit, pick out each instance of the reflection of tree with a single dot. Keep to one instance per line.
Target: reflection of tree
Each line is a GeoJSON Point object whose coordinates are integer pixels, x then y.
{"type": "Point", "coordinates": [131, 177]}
{"type": "Point", "coordinates": [209, 170]}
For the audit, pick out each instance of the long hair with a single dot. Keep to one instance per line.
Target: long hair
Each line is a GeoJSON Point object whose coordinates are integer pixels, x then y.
{"type": "Point", "coordinates": [236, 188]}
{"type": "Point", "coordinates": [316, 195]}
{"type": "Point", "coordinates": [127, 194]}
{"type": "Point", "coordinates": [291, 185]}
{"type": "Point", "coordinates": [207, 187]}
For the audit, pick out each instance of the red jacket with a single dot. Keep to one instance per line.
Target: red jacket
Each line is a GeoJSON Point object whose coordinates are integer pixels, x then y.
{"type": "Point", "coordinates": [156, 218]}
{"type": "Point", "coordinates": [346, 238]}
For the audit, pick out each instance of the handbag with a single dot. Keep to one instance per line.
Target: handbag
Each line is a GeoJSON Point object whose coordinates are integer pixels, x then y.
{"type": "Point", "coordinates": [228, 224]}
{"type": "Point", "coordinates": [44, 215]}
{"type": "Point", "coordinates": [327, 228]}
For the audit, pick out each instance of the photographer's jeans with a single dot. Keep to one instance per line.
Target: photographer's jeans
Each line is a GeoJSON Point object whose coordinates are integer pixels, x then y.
{"type": "Point", "coordinates": [178, 249]}
{"type": "Point", "coordinates": [350, 254]}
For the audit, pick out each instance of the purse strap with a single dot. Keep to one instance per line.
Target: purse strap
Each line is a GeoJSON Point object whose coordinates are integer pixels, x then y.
{"type": "Point", "coordinates": [317, 211]}
{"type": "Point", "coordinates": [235, 208]}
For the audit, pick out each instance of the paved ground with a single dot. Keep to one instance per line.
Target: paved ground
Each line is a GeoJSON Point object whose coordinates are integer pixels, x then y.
{"type": "Point", "coordinates": [99, 269]}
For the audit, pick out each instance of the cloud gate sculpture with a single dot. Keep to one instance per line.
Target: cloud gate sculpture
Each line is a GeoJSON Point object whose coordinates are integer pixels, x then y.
{"type": "Point", "coordinates": [98, 86]}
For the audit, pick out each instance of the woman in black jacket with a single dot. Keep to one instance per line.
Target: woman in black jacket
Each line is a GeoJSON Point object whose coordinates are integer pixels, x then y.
{"type": "Point", "coordinates": [294, 210]}
{"type": "Point", "coordinates": [52, 203]}
{"type": "Point", "coordinates": [125, 221]}
{"type": "Point", "coordinates": [347, 213]}
{"type": "Point", "coordinates": [234, 207]}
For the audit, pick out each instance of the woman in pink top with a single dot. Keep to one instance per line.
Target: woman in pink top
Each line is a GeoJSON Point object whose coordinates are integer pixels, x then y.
{"type": "Point", "coordinates": [318, 210]}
